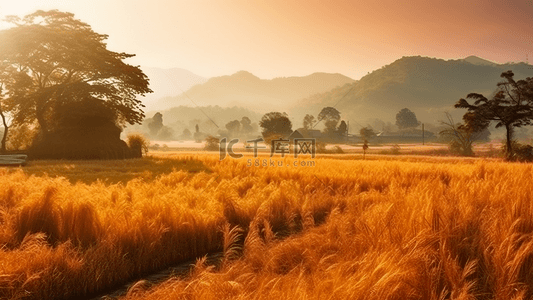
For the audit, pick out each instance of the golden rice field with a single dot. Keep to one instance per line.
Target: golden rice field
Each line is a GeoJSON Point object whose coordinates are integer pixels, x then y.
{"type": "Point", "coordinates": [388, 227]}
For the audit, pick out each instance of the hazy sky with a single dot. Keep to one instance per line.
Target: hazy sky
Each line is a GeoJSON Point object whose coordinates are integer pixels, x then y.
{"type": "Point", "coordinates": [296, 37]}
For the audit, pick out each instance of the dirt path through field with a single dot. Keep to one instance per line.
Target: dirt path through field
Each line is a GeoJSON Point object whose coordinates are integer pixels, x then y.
{"type": "Point", "coordinates": [150, 280]}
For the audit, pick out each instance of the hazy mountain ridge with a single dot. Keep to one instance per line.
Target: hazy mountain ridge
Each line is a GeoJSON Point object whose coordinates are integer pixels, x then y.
{"type": "Point", "coordinates": [166, 83]}
{"type": "Point", "coordinates": [478, 61]}
{"type": "Point", "coordinates": [428, 86]}
{"type": "Point", "coordinates": [247, 90]}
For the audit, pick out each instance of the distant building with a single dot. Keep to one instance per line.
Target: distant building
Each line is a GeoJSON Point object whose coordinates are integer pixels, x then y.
{"type": "Point", "coordinates": [310, 133]}
{"type": "Point", "coordinates": [295, 135]}
{"type": "Point", "coordinates": [404, 136]}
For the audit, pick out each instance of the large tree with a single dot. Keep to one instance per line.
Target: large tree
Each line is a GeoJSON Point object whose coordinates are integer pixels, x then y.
{"type": "Point", "coordinates": [309, 122]}
{"type": "Point", "coordinates": [343, 129]}
{"type": "Point", "coordinates": [367, 133]}
{"type": "Point", "coordinates": [11, 83]}
{"type": "Point", "coordinates": [405, 118]}
{"type": "Point", "coordinates": [233, 128]}
{"type": "Point", "coordinates": [246, 126]}
{"type": "Point", "coordinates": [4, 121]}
{"type": "Point", "coordinates": [155, 124]}
{"type": "Point", "coordinates": [510, 106]}
{"type": "Point", "coordinates": [331, 117]}
{"type": "Point", "coordinates": [275, 123]}
{"type": "Point", "coordinates": [56, 59]}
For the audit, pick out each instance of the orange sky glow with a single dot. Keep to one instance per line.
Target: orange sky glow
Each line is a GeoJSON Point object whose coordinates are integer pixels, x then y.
{"type": "Point", "coordinates": [293, 37]}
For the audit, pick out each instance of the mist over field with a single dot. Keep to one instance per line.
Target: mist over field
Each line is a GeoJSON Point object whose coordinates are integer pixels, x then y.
{"type": "Point", "coordinates": [421, 84]}
{"type": "Point", "coordinates": [282, 149]}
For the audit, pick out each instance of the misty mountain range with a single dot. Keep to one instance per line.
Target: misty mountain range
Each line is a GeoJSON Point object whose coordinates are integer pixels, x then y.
{"type": "Point", "coordinates": [168, 83]}
{"type": "Point", "coordinates": [427, 86]}
{"type": "Point", "coordinates": [247, 90]}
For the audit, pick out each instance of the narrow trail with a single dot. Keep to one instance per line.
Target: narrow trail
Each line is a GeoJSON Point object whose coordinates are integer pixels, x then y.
{"type": "Point", "coordinates": [180, 270]}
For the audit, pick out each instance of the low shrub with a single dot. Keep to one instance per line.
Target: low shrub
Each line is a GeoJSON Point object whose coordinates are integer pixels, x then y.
{"type": "Point", "coordinates": [337, 150]}
{"type": "Point", "coordinates": [321, 147]}
{"type": "Point", "coordinates": [460, 149]}
{"type": "Point", "coordinates": [395, 149]}
{"type": "Point", "coordinates": [138, 144]}
{"type": "Point", "coordinates": [212, 143]}
{"type": "Point", "coordinates": [521, 152]}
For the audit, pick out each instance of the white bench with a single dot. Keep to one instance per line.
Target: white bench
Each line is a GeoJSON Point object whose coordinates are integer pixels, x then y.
{"type": "Point", "coordinates": [13, 159]}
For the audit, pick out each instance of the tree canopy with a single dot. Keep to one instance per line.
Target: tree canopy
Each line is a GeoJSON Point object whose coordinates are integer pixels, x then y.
{"type": "Point", "coordinates": [510, 106]}
{"type": "Point", "coordinates": [246, 125]}
{"type": "Point", "coordinates": [405, 118]}
{"type": "Point", "coordinates": [275, 123]}
{"type": "Point", "coordinates": [309, 122]}
{"type": "Point", "coordinates": [233, 127]}
{"type": "Point", "coordinates": [367, 133]}
{"type": "Point", "coordinates": [331, 117]}
{"type": "Point", "coordinates": [343, 128]}
{"type": "Point", "coordinates": [53, 58]}
{"type": "Point", "coordinates": [155, 124]}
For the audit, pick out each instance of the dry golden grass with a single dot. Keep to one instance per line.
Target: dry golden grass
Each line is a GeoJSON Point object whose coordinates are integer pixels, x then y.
{"type": "Point", "coordinates": [396, 228]}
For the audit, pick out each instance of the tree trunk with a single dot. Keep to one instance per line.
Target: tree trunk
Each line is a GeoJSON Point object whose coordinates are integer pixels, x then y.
{"type": "Point", "coordinates": [6, 130]}
{"type": "Point", "coordinates": [40, 113]}
{"type": "Point", "coordinates": [41, 122]}
{"type": "Point", "coordinates": [509, 141]}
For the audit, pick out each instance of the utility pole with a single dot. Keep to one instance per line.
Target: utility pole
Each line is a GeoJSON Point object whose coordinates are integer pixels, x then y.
{"type": "Point", "coordinates": [347, 131]}
{"type": "Point", "coordinates": [422, 134]}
